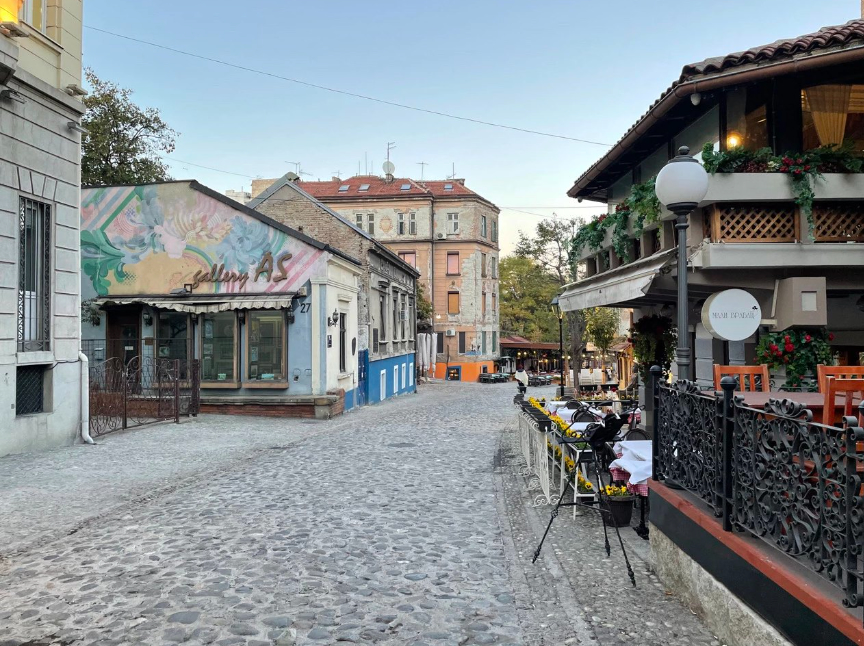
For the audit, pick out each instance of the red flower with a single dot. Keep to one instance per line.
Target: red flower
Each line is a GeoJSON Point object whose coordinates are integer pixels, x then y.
{"type": "Point", "coordinates": [784, 169]}
{"type": "Point", "coordinates": [789, 347]}
{"type": "Point", "coordinates": [773, 347]}
{"type": "Point", "coordinates": [797, 171]}
{"type": "Point", "coordinates": [787, 339]}
{"type": "Point", "coordinates": [799, 161]}
{"type": "Point", "coordinates": [807, 338]}
{"type": "Point", "coordinates": [807, 167]}
{"type": "Point", "coordinates": [787, 161]}
{"type": "Point", "coordinates": [830, 336]}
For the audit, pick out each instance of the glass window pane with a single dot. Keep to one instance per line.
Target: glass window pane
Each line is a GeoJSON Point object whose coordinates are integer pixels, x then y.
{"type": "Point", "coordinates": [173, 336]}
{"type": "Point", "coordinates": [266, 356]}
{"type": "Point", "coordinates": [833, 114]}
{"type": "Point", "coordinates": [218, 348]}
{"type": "Point", "coordinates": [746, 118]}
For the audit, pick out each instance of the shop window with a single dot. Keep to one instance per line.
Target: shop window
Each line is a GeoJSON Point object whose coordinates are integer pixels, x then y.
{"type": "Point", "coordinates": [833, 114]}
{"type": "Point", "coordinates": [452, 302]}
{"type": "Point", "coordinates": [452, 263]}
{"type": "Point", "coordinates": [34, 276]}
{"type": "Point", "coordinates": [172, 336]}
{"type": "Point", "coordinates": [412, 224]}
{"type": "Point", "coordinates": [747, 118]}
{"type": "Point", "coordinates": [266, 346]}
{"type": "Point", "coordinates": [219, 347]}
{"type": "Point", "coordinates": [343, 343]}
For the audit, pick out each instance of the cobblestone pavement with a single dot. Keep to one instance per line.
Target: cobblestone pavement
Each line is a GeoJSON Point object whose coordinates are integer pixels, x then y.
{"type": "Point", "coordinates": [404, 523]}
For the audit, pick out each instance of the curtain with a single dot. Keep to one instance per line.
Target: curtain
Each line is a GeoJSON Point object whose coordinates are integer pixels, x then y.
{"type": "Point", "coordinates": [433, 352]}
{"type": "Point", "coordinates": [829, 106]}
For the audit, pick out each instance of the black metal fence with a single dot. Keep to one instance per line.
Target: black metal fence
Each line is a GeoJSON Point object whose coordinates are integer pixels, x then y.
{"type": "Point", "coordinates": [770, 472]}
{"type": "Point", "coordinates": [142, 391]}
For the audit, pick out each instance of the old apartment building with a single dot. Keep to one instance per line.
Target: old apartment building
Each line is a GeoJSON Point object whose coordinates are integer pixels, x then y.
{"type": "Point", "coordinates": [40, 152]}
{"type": "Point", "coordinates": [449, 234]}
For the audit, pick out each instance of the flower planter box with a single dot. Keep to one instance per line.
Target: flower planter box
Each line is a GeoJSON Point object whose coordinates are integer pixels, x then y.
{"type": "Point", "coordinates": [617, 510]}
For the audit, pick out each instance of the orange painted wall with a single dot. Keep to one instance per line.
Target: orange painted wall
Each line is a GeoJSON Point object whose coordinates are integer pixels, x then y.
{"type": "Point", "coordinates": [470, 371]}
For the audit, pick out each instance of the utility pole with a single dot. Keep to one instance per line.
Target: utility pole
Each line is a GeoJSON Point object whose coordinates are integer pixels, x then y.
{"type": "Point", "coordinates": [423, 165]}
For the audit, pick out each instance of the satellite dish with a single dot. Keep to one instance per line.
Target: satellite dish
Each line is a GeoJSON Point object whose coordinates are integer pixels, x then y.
{"type": "Point", "coordinates": [389, 167]}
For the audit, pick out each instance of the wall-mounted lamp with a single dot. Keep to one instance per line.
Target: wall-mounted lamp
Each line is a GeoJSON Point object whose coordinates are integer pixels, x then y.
{"type": "Point", "coordinates": [333, 320]}
{"type": "Point", "coordinates": [12, 95]}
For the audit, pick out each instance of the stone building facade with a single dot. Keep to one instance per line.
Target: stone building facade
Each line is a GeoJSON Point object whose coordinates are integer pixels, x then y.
{"type": "Point", "coordinates": [386, 299]}
{"type": "Point", "coordinates": [449, 234]}
{"type": "Point", "coordinates": [40, 153]}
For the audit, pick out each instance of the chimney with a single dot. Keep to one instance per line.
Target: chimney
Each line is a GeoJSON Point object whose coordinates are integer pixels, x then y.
{"type": "Point", "coordinates": [337, 179]}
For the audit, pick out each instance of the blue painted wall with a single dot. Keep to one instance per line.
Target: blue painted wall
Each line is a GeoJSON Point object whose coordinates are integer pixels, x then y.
{"type": "Point", "coordinates": [392, 367]}
{"type": "Point", "coordinates": [349, 400]}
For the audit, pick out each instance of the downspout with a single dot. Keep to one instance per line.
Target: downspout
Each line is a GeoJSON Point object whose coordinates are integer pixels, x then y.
{"type": "Point", "coordinates": [432, 269]}
{"type": "Point", "coordinates": [85, 398]}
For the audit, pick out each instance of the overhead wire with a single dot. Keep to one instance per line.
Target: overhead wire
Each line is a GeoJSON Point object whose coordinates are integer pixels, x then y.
{"type": "Point", "coordinates": [356, 95]}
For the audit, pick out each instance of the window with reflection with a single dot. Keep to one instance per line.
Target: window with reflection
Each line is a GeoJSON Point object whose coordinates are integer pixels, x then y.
{"type": "Point", "coordinates": [173, 336]}
{"type": "Point", "coordinates": [265, 357]}
{"type": "Point", "coordinates": [747, 118]}
{"type": "Point", "coordinates": [219, 347]}
{"type": "Point", "coordinates": [833, 114]}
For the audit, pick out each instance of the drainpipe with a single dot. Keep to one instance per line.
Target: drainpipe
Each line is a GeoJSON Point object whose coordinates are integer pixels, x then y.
{"type": "Point", "coordinates": [432, 267]}
{"type": "Point", "coordinates": [85, 398]}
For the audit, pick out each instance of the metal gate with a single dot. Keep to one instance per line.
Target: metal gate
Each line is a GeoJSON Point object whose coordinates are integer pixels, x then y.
{"type": "Point", "coordinates": [362, 370]}
{"type": "Point", "coordinates": [143, 391]}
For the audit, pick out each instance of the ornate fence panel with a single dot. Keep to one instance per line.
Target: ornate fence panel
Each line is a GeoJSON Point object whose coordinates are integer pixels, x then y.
{"type": "Point", "coordinates": [796, 485]}
{"type": "Point", "coordinates": [144, 390]}
{"type": "Point", "coordinates": [541, 466]}
{"type": "Point", "coordinates": [690, 440]}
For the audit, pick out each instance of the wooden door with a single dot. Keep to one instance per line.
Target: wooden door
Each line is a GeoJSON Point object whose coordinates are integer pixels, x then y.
{"type": "Point", "coordinates": [123, 329]}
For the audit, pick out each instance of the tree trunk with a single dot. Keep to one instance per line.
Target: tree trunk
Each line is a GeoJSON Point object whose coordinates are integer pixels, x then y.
{"type": "Point", "coordinates": [576, 328]}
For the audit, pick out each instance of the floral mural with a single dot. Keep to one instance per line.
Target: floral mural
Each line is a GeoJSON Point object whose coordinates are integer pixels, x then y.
{"type": "Point", "coordinates": [156, 238]}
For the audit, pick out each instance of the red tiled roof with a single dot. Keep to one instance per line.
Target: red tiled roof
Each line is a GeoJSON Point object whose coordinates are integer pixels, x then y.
{"type": "Point", "coordinates": [838, 37]}
{"type": "Point", "coordinates": [379, 187]}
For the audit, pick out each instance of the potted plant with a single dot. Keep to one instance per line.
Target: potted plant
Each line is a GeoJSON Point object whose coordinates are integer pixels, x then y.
{"type": "Point", "coordinates": [616, 505]}
{"type": "Point", "coordinates": [798, 352]}
{"type": "Point", "coordinates": [653, 338]}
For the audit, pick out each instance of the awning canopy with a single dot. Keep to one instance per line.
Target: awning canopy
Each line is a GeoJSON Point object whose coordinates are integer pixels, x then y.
{"type": "Point", "coordinates": [205, 305]}
{"type": "Point", "coordinates": [615, 287]}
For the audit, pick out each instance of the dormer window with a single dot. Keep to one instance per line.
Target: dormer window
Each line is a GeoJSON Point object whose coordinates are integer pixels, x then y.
{"type": "Point", "coordinates": [344, 188]}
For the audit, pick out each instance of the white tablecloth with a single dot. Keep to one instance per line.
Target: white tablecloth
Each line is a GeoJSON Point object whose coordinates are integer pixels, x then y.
{"type": "Point", "coordinates": [635, 459]}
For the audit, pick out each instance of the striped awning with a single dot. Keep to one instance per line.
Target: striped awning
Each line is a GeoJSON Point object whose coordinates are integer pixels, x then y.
{"type": "Point", "coordinates": [200, 305]}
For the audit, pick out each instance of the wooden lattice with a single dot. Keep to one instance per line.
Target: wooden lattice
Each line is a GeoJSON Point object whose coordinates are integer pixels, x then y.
{"type": "Point", "coordinates": [838, 221]}
{"type": "Point", "coordinates": [754, 222]}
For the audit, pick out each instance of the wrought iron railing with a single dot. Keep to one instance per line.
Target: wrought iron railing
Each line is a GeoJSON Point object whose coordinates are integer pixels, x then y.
{"type": "Point", "coordinates": [771, 472]}
{"type": "Point", "coordinates": [142, 391]}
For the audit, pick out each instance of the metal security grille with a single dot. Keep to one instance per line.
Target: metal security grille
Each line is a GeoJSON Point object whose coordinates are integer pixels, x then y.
{"type": "Point", "coordinates": [29, 390]}
{"type": "Point", "coordinates": [34, 276]}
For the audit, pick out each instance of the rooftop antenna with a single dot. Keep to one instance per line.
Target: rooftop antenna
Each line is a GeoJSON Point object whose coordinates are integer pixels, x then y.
{"type": "Point", "coordinates": [366, 162]}
{"type": "Point", "coordinates": [337, 173]}
{"type": "Point", "coordinates": [390, 146]}
{"type": "Point", "coordinates": [296, 166]}
{"type": "Point", "coordinates": [422, 166]}
{"type": "Point", "coordinates": [453, 176]}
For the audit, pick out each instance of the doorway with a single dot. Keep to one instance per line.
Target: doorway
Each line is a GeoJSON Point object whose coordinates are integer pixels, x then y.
{"type": "Point", "coordinates": [123, 330]}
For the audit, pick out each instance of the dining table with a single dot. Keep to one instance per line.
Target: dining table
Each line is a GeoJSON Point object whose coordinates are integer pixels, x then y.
{"type": "Point", "coordinates": [815, 402]}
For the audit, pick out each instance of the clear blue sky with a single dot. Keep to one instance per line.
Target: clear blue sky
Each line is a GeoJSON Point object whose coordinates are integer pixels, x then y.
{"type": "Point", "coordinates": [576, 68]}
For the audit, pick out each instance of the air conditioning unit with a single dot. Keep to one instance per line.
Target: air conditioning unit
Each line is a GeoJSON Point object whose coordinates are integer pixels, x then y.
{"type": "Point", "coordinates": [441, 236]}
{"type": "Point", "coordinates": [450, 332]}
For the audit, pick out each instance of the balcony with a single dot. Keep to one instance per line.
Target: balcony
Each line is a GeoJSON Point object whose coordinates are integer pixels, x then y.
{"type": "Point", "coordinates": [746, 209]}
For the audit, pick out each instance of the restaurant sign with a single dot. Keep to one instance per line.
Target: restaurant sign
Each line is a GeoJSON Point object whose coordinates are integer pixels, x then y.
{"type": "Point", "coordinates": [731, 315]}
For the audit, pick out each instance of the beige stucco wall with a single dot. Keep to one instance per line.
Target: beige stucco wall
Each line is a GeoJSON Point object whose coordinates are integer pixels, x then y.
{"type": "Point", "coordinates": [55, 56]}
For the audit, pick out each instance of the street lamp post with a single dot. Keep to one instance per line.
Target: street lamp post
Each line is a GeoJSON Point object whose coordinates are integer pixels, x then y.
{"type": "Point", "coordinates": [556, 309]}
{"type": "Point", "coordinates": [680, 186]}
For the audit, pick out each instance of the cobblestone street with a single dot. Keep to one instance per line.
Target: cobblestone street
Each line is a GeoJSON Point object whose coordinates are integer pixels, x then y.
{"type": "Point", "coordinates": [404, 523]}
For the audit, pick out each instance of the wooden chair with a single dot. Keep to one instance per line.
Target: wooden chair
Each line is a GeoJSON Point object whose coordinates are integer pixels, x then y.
{"type": "Point", "coordinates": [852, 389]}
{"type": "Point", "coordinates": [838, 372]}
{"type": "Point", "coordinates": [740, 373]}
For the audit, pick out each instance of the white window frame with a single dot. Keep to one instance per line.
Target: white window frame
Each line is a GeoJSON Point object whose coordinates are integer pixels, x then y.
{"type": "Point", "coordinates": [483, 226]}
{"type": "Point", "coordinates": [400, 224]}
{"type": "Point", "coordinates": [412, 224]}
{"type": "Point", "coordinates": [26, 14]}
{"type": "Point", "coordinates": [452, 223]}
{"type": "Point", "coordinates": [358, 219]}
{"type": "Point", "coordinates": [370, 224]}
{"type": "Point", "coordinates": [411, 374]}
{"type": "Point", "coordinates": [395, 380]}
{"type": "Point", "coordinates": [383, 385]}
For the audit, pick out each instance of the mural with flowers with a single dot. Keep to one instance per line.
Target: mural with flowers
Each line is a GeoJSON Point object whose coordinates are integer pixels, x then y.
{"type": "Point", "coordinates": [154, 238]}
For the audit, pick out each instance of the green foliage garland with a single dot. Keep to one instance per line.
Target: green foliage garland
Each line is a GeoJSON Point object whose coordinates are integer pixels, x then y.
{"type": "Point", "coordinates": [804, 169]}
{"type": "Point", "coordinates": [653, 338]}
{"type": "Point", "coordinates": [799, 351]}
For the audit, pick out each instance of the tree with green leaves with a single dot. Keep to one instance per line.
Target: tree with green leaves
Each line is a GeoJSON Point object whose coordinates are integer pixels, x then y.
{"type": "Point", "coordinates": [424, 309]}
{"type": "Point", "coordinates": [601, 328]}
{"type": "Point", "coordinates": [549, 247]}
{"type": "Point", "coordinates": [123, 141]}
{"type": "Point", "coordinates": [526, 291]}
